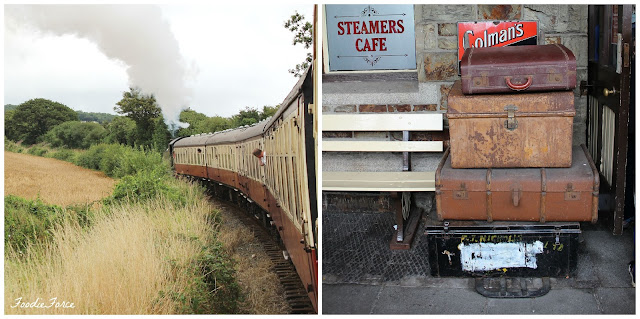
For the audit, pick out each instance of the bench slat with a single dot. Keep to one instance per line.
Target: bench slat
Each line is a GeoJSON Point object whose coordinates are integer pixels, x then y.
{"type": "Point", "coordinates": [382, 122]}
{"type": "Point", "coordinates": [379, 181]}
{"type": "Point", "coordinates": [381, 146]}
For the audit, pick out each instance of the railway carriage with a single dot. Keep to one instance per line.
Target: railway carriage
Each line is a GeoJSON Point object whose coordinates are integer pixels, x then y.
{"type": "Point", "coordinates": [273, 165]}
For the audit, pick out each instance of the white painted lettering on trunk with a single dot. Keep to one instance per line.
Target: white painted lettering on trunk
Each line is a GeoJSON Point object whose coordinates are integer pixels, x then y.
{"type": "Point", "coordinates": [491, 256]}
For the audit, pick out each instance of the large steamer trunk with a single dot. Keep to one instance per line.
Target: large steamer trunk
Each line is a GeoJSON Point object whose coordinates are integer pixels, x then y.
{"type": "Point", "coordinates": [519, 194]}
{"type": "Point", "coordinates": [523, 249]}
{"type": "Point", "coordinates": [518, 68]}
{"type": "Point", "coordinates": [510, 130]}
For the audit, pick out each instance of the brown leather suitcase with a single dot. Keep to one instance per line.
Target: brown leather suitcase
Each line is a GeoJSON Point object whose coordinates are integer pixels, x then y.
{"type": "Point", "coordinates": [519, 194]}
{"type": "Point", "coordinates": [518, 68]}
{"type": "Point", "coordinates": [510, 130]}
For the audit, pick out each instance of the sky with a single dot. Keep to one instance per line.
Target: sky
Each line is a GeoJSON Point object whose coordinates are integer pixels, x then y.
{"type": "Point", "coordinates": [228, 56]}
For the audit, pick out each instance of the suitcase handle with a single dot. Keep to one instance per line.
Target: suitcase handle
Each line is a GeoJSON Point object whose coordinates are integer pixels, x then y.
{"type": "Point", "coordinates": [519, 87]}
{"type": "Point", "coordinates": [515, 196]}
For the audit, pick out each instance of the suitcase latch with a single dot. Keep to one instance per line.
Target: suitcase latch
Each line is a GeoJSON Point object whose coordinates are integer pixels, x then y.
{"type": "Point", "coordinates": [570, 194]}
{"type": "Point", "coordinates": [462, 193]}
{"type": "Point", "coordinates": [511, 123]}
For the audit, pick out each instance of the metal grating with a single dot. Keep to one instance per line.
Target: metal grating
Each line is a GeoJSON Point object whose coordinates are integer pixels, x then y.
{"type": "Point", "coordinates": [355, 249]}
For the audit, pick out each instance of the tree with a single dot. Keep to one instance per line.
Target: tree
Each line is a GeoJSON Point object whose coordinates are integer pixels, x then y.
{"type": "Point", "coordinates": [33, 118]}
{"type": "Point", "coordinates": [9, 107]}
{"type": "Point", "coordinates": [192, 118]}
{"type": "Point", "coordinates": [143, 110]}
{"type": "Point", "coordinates": [74, 134]}
{"type": "Point", "coordinates": [247, 116]}
{"type": "Point", "coordinates": [215, 124]}
{"type": "Point", "coordinates": [302, 34]}
{"type": "Point", "coordinates": [161, 134]}
{"type": "Point", "coordinates": [200, 123]}
{"type": "Point", "coordinates": [8, 117]}
{"type": "Point", "coordinates": [268, 111]}
{"type": "Point", "coordinates": [101, 118]}
{"type": "Point", "coordinates": [121, 130]}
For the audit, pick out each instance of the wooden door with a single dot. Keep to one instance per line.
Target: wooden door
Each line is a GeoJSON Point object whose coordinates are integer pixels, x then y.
{"type": "Point", "coordinates": [609, 95]}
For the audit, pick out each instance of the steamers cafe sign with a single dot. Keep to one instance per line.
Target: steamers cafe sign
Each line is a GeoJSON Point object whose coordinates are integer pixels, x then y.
{"type": "Point", "coordinates": [370, 37]}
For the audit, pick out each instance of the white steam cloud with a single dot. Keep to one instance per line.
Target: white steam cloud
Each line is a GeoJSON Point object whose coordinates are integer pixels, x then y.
{"type": "Point", "coordinates": [136, 35]}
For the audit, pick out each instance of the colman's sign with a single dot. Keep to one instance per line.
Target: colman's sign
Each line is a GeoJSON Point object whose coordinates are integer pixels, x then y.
{"type": "Point", "coordinates": [496, 34]}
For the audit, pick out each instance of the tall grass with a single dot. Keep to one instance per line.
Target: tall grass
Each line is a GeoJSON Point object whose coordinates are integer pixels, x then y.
{"type": "Point", "coordinates": [152, 248]}
{"type": "Point", "coordinates": [156, 257]}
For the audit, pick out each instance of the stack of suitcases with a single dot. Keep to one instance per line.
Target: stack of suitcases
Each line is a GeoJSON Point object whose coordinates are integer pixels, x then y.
{"type": "Point", "coordinates": [511, 132]}
{"type": "Point", "coordinates": [511, 157]}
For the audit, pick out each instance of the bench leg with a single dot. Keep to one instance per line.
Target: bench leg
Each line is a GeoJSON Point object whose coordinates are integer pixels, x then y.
{"type": "Point", "coordinates": [406, 229]}
{"type": "Point", "coordinates": [397, 205]}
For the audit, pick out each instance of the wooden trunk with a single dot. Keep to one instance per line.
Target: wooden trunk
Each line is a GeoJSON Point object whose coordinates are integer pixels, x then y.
{"type": "Point", "coordinates": [519, 194]}
{"type": "Point", "coordinates": [518, 69]}
{"type": "Point", "coordinates": [510, 130]}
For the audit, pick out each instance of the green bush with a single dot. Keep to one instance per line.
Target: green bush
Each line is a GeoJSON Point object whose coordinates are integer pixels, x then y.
{"type": "Point", "coordinates": [145, 185]}
{"type": "Point", "coordinates": [82, 213]}
{"type": "Point", "coordinates": [64, 155]}
{"type": "Point", "coordinates": [122, 130]}
{"type": "Point", "coordinates": [92, 157]}
{"type": "Point", "coordinates": [215, 290]}
{"type": "Point", "coordinates": [109, 160]}
{"type": "Point", "coordinates": [12, 146]}
{"type": "Point", "coordinates": [118, 161]}
{"type": "Point", "coordinates": [135, 161]}
{"type": "Point", "coordinates": [74, 134]}
{"type": "Point", "coordinates": [37, 150]}
{"type": "Point", "coordinates": [219, 279]}
{"type": "Point", "coordinates": [28, 221]}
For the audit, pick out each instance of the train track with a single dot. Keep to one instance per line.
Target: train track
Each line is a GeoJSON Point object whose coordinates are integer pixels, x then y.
{"type": "Point", "coordinates": [294, 292]}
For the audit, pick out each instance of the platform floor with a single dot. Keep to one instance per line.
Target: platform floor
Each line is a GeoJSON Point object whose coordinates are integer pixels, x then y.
{"type": "Point", "coordinates": [361, 275]}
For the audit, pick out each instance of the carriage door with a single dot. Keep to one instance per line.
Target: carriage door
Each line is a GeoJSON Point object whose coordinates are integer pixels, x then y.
{"type": "Point", "coordinates": [609, 129]}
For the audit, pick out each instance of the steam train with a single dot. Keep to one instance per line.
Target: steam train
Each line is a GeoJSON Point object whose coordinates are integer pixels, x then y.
{"type": "Point", "coordinates": [273, 165]}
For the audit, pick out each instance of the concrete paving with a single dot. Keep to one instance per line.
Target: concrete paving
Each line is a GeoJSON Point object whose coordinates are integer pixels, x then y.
{"type": "Point", "coordinates": [601, 285]}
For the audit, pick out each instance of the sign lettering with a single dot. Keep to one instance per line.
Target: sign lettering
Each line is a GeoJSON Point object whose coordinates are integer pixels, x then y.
{"type": "Point", "coordinates": [370, 37]}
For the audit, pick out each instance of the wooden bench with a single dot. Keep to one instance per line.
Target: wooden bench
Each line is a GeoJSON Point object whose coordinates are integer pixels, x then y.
{"type": "Point", "coordinates": [398, 182]}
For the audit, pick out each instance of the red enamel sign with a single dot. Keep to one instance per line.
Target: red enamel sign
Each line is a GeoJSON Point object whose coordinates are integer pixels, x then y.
{"type": "Point", "coordinates": [495, 34]}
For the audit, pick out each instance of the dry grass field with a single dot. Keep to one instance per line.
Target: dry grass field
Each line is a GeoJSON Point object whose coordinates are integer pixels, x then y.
{"type": "Point", "coordinates": [54, 181]}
